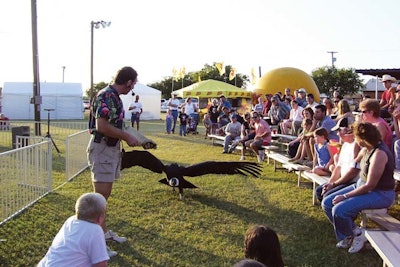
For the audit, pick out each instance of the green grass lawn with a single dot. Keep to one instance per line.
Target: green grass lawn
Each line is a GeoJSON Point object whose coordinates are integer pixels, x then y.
{"type": "Point", "coordinates": [205, 229]}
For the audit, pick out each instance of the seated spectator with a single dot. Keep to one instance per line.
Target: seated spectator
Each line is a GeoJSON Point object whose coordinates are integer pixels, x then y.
{"type": "Point", "coordinates": [261, 243]}
{"type": "Point", "coordinates": [344, 111]}
{"type": "Point", "coordinates": [387, 96]}
{"type": "Point", "coordinates": [321, 120]}
{"type": "Point", "coordinates": [370, 111]}
{"type": "Point", "coordinates": [247, 131]}
{"type": "Point", "coordinates": [288, 95]}
{"type": "Point", "coordinates": [223, 119]}
{"type": "Point", "coordinates": [262, 137]}
{"type": "Point", "coordinates": [266, 105]}
{"type": "Point", "coordinates": [232, 132]}
{"type": "Point", "coordinates": [329, 106]}
{"type": "Point", "coordinates": [294, 121]}
{"type": "Point", "coordinates": [297, 147]}
{"type": "Point", "coordinates": [207, 124]}
{"type": "Point", "coordinates": [323, 156]}
{"type": "Point", "coordinates": [259, 106]}
{"type": "Point", "coordinates": [335, 105]}
{"type": "Point", "coordinates": [278, 111]}
{"type": "Point", "coordinates": [239, 117]}
{"type": "Point", "coordinates": [311, 102]}
{"type": "Point", "coordinates": [301, 97]}
{"type": "Point", "coordinates": [4, 122]}
{"type": "Point", "coordinates": [373, 190]}
{"type": "Point", "coordinates": [80, 241]}
{"type": "Point", "coordinates": [346, 170]}
{"type": "Point", "coordinates": [224, 103]}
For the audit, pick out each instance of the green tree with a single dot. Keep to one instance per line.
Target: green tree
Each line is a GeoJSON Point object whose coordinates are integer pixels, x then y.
{"type": "Point", "coordinates": [96, 88]}
{"type": "Point", "coordinates": [328, 79]}
{"type": "Point", "coordinates": [168, 85]}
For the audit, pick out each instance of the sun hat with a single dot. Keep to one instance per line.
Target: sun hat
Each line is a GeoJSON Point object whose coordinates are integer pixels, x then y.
{"type": "Point", "coordinates": [387, 77]}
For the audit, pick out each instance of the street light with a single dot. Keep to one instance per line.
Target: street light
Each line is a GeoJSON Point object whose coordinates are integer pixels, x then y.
{"type": "Point", "coordinates": [97, 25]}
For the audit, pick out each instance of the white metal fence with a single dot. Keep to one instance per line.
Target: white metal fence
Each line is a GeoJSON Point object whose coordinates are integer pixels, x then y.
{"type": "Point", "coordinates": [25, 177]}
{"type": "Point", "coordinates": [75, 158]}
{"type": "Point", "coordinates": [26, 172]}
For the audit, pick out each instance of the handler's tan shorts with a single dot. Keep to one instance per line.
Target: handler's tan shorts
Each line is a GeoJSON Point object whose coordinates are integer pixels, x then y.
{"type": "Point", "coordinates": [104, 161]}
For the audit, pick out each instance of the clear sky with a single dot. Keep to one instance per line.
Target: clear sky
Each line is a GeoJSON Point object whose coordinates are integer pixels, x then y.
{"type": "Point", "coordinates": [154, 36]}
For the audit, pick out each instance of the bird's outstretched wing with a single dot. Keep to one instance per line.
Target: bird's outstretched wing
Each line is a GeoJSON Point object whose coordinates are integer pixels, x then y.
{"type": "Point", "coordinates": [221, 167]}
{"type": "Point", "coordinates": [143, 159]}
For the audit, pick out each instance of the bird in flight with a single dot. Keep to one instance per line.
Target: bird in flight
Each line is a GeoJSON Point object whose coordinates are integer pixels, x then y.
{"type": "Point", "coordinates": [175, 173]}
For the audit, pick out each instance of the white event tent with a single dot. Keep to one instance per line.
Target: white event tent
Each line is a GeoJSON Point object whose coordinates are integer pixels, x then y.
{"type": "Point", "coordinates": [150, 99]}
{"type": "Point", "coordinates": [64, 98]}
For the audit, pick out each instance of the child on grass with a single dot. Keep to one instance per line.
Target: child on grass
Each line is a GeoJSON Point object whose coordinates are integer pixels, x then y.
{"type": "Point", "coordinates": [80, 241]}
{"type": "Point", "coordinates": [207, 124]}
{"type": "Point", "coordinates": [169, 119]}
{"type": "Point", "coordinates": [183, 118]}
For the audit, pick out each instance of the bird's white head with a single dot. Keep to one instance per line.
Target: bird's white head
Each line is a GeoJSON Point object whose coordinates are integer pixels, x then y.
{"type": "Point", "coordinates": [173, 182]}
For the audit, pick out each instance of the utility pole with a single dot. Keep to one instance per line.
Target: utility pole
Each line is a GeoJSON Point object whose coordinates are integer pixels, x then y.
{"type": "Point", "coordinates": [63, 68]}
{"type": "Point", "coordinates": [332, 57]}
{"type": "Point", "coordinates": [36, 99]}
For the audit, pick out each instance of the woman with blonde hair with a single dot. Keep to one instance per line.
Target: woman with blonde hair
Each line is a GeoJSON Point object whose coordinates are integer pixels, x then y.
{"type": "Point", "coordinates": [344, 111]}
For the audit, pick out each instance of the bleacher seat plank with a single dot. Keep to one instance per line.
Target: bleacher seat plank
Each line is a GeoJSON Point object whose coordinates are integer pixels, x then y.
{"type": "Point", "coordinates": [387, 245]}
{"type": "Point", "coordinates": [316, 180]}
{"type": "Point", "coordinates": [277, 157]}
{"type": "Point", "coordinates": [381, 217]}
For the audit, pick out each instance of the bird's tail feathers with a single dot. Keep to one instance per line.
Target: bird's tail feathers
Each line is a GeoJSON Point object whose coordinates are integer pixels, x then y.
{"type": "Point", "coordinates": [254, 170]}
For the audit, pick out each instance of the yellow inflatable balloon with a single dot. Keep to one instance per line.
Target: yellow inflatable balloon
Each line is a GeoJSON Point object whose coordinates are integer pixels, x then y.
{"type": "Point", "coordinates": [278, 79]}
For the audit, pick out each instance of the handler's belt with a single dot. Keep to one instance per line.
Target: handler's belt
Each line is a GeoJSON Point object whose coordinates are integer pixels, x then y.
{"type": "Point", "coordinates": [109, 140]}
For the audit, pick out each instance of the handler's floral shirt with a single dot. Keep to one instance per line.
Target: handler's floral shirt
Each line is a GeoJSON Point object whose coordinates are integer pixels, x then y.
{"type": "Point", "coordinates": [107, 104]}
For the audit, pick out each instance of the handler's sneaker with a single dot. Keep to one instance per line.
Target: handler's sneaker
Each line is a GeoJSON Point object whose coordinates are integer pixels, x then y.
{"type": "Point", "coordinates": [111, 236]}
{"type": "Point", "coordinates": [345, 243]}
{"type": "Point", "coordinates": [111, 253]}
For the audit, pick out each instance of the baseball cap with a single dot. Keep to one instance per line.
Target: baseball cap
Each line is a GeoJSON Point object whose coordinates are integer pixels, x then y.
{"type": "Point", "coordinates": [343, 122]}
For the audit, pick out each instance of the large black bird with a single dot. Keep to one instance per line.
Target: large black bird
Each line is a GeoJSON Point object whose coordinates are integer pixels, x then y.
{"type": "Point", "coordinates": [175, 173]}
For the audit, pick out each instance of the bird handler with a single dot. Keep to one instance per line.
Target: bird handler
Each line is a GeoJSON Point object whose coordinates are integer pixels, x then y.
{"type": "Point", "coordinates": [106, 123]}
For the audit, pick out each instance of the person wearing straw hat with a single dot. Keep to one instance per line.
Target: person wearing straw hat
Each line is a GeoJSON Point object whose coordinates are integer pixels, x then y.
{"type": "Point", "coordinates": [388, 95]}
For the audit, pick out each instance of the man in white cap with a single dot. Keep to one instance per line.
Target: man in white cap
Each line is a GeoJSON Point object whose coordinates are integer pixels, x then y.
{"type": "Point", "coordinates": [301, 97]}
{"type": "Point", "coordinates": [387, 96]}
